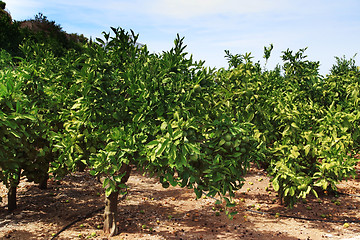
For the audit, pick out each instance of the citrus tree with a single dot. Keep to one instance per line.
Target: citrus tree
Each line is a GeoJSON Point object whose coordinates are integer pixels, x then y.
{"type": "Point", "coordinates": [111, 106]}
{"type": "Point", "coordinates": [20, 127]}
{"type": "Point", "coordinates": [155, 112]}
{"type": "Point", "coordinates": [307, 122]}
{"type": "Point", "coordinates": [30, 102]}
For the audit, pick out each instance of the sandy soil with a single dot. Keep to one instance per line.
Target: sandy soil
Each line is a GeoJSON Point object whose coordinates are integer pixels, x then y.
{"type": "Point", "coordinates": [152, 212]}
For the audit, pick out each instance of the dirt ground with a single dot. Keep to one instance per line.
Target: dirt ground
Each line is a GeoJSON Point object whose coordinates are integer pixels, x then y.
{"type": "Point", "coordinates": [152, 212]}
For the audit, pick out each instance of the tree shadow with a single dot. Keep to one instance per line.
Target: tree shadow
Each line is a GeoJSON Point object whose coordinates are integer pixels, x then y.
{"type": "Point", "coordinates": [158, 215]}
{"type": "Point", "coordinates": [18, 235]}
{"type": "Point", "coordinates": [168, 222]}
{"type": "Point", "coordinates": [55, 207]}
{"type": "Point", "coordinates": [150, 209]}
{"type": "Point", "coordinates": [327, 213]}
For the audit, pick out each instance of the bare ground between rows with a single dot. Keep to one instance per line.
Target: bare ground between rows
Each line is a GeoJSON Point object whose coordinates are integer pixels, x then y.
{"type": "Point", "coordinates": [152, 212]}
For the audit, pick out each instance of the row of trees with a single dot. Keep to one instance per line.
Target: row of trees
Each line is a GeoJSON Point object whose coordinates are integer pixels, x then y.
{"type": "Point", "coordinates": [308, 122]}
{"type": "Point", "coordinates": [110, 106]}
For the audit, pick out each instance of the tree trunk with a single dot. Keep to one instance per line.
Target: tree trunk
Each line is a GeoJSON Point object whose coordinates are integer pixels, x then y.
{"type": "Point", "coordinates": [48, 159]}
{"type": "Point", "coordinates": [14, 181]}
{"type": "Point", "coordinates": [43, 182]}
{"type": "Point", "coordinates": [110, 215]}
{"type": "Point", "coordinates": [80, 166]}
{"type": "Point", "coordinates": [12, 198]}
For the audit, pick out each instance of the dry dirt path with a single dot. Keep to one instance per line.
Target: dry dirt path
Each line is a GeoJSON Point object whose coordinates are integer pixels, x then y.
{"type": "Point", "coordinates": [152, 212]}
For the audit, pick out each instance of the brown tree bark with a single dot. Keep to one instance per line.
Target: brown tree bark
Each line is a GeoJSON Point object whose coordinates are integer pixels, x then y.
{"type": "Point", "coordinates": [12, 187]}
{"type": "Point", "coordinates": [43, 182]}
{"type": "Point", "coordinates": [111, 213]}
{"type": "Point", "coordinates": [12, 198]}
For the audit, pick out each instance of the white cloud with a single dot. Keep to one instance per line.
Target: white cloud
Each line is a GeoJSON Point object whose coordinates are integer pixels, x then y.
{"type": "Point", "coordinates": [328, 27]}
{"type": "Point", "coordinates": [185, 9]}
{"type": "Point", "coordinates": [175, 12]}
{"type": "Point", "coordinates": [23, 9]}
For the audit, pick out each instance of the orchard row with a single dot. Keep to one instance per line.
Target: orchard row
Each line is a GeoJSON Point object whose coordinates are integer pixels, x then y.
{"type": "Point", "coordinates": [110, 105]}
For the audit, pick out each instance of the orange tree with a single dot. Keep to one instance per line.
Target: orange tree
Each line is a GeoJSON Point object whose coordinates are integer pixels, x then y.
{"type": "Point", "coordinates": [157, 112]}
{"type": "Point", "coordinates": [31, 95]}
{"type": "Point", "coordinates": [21, 151]}
{"type": "Point", "coordinates": [317, 131]}
{"type": "Point", "coordinates": [309, 123]}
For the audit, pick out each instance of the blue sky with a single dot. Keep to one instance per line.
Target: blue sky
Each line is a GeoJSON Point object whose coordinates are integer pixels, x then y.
{"type": "Point", "coordinates": [328, 28]}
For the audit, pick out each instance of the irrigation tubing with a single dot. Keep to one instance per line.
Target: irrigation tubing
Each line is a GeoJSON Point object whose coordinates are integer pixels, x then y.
{"type": "Point", "coordinates": [302, 218]}
{"type": "Point", "coordinates": [348, 194]}
{"type": "Point", "coordinates": [77, 220]}
{"type": "Point", "coordinates": [248, 210]}
{"type": "Point", "coordinates": [82, 218]}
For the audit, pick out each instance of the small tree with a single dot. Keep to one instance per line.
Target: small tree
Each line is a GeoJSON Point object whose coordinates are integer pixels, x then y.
{"type": "Point", "coordinates": [155, 112]}
{"type": "Point", "coordinates": [18, 128]}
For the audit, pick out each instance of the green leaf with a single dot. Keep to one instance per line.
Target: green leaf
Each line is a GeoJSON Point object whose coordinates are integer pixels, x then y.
{"type": "Point", "coordinates": [138, 117]}
{"type": "Point", "coordinates": [161, 148]}
{"type": "Point", "coordinates": [93, 172]}
{"type": "Point", "coordinates": [292, 191]}
{"type": "Point", "coordinates": [170, 130]}
{"type": "Point", "coordinates": [100, 41]}
{"type": "Point", "coordinates": [78, 149]}
{"type": "Point", "coordinates": [307, 149]}
{"type": "Point", "coordinates": [152, 144]}
{"type": "Point", "coordinates": [198, 192]}
{"type": "Point", "coordinates": [76, 106]}
{"type": "Point", "coordinates": [231, 215]}
{"type": "Point", "coordinates": [3, 90]}
{"type": "Point", "coordinates": [286, 192]}
{"type": "Point", "coordinates": [30, 117]}
{"type": "Point", "coordinates": [118, 178]}
{"type": "Point", "coordinates": [17, 135]}
{"type": "Point", "coordinates": [18, 107]}
{"type": "Point", "coordinates": [193, 148]}
{"type": "Point", "coordinates": [108, 191]}
{"type": "Point", "coordinates": [163, 126]}
{"type": "Point", "coordinates": [314, 192]}
{"type": "Point", "coordinates": [171, 179]}
{"type": "Point", "coordinates": [275, 184]}
{"type": "Point", "coordinates": [122, 186]}
{"type": "Point", "coordinates": [177, 134]}
{"type": "Point", "coordinates": [106, 182]}
{"type": "Point", "coordinates": [172, 152]}
{"type": "Point", "coordinates": [294, 152]}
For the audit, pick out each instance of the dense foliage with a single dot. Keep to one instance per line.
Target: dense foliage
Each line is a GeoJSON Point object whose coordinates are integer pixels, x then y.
{"type": "Point", "coordinates": [110, 106]}
{"type": "Point", "coordinates": [309, 122]}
